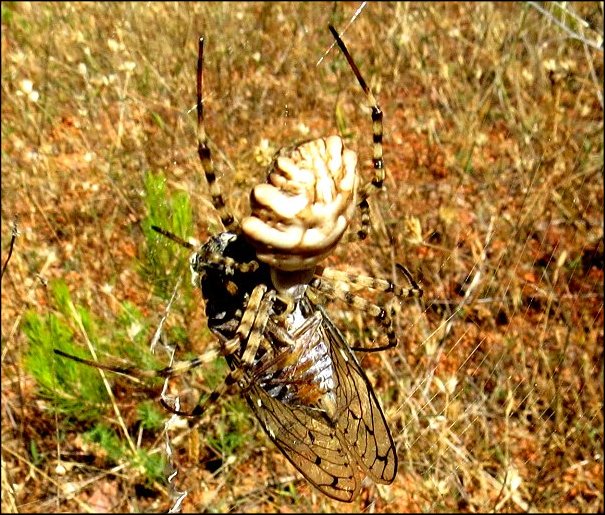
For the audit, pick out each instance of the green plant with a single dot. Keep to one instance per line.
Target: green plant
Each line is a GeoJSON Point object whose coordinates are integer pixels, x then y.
{"type": "Point", "coordinates": [164, 261]}
{"type": "Point", "coordinates": [58, 378]}
{"type": "Point", "coordinates": [150, 416]}
{"type": "Point", "coordinates": [231, 430]}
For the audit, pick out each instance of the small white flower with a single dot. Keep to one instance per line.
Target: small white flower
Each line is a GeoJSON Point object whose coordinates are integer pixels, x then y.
{"type": "Point", "coordinates": [481, 139]}
{"type": "Point", "coordinates": [513, 479]}
{"type": "Point", "coordinates": [527, 75]}
{"type": "Point", "coordinates": [413, 230]}
{"type": "Point", "coordinates": [263, 152]}
{"type": "Point", "coordinates": [113, 45]}
{"type": "Point", "coordinates": [437, 422]}
{"type": "Point", "coordinates": [134, 329]}
{"type": "Point", "coordinates": [303, 129]}
{"type": "Point", "coordinates": [450, 385]}
{"type": "Point", "coordinates": [69, 489]}
{"type": "Point", "coordinates": [27, 86]}
{"type": "Point", "coordinates": [128, 66]}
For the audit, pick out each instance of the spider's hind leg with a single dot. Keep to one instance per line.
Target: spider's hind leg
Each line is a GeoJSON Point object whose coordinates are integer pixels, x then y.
{"type": "Point", "coordinates": [384, 318]}
{"type": "Point", "coordinates": [358, 281]}
{"type": "Point", "coordinates": [329, 281]}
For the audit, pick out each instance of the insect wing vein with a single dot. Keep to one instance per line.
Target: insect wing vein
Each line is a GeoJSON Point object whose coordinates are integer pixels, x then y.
{"type": "Point", "coordinates": [310, 442]}
{"type": "Point", "coordinates": [358, 414]}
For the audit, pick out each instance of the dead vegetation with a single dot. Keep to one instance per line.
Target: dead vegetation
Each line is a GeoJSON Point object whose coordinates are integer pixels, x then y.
{"type": "Point", "coordinates": [494, 200]}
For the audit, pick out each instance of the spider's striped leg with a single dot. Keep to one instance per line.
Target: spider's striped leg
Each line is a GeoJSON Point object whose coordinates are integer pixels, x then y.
{"type": "Point", "coordinates": [173, 237]}
{"type": "Point", "coordinates": [385, 319]}
{"type": "Point", "coordinates": [359, 282]}
{"type": "Point", "coordinates": [325, 276]}
{"type": "Point", "coordinates": [199, 260]}
{"type": "Point", "coordinates": [229, 222]}
{"type": "Point", "coordinates": [377, 130]}
{"type": "Point", "coordinates": [133, 372]}
{"type": "Point", "coordinates": [250, 331]}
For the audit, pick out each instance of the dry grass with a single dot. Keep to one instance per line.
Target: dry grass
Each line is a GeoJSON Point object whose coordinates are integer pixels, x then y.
{"type": "Point", "coordinates": [494, 149]}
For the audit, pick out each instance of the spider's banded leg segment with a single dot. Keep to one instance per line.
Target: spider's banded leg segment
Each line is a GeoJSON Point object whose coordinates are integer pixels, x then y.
{"type": "Point", "coordinates": [203, 150]}
{"type": "Point", "coordinates": [255, 339]}
{"type": "Point", "coordinates": [216, 259]}
{"type": "Point", "coordinates": [129, 371]}
{"type": "Point", "coordinates": [180, 367]}
{"type": "Point", "coordinates": [377, 131]}
{"type": "Point", "coordinates": [373, 283]}
{"type": "Point", "coordinates": [250, 330]}
{"type": "Point", "coordinates": [173, 237]}
{"type": "Point", "coordinates": [380, 314]}
{"type": "Point", "coordinates": [136, 373]}
{"type": "Point", "coordinates": [415, 290]}
{"type": "Point", "coordinates": [201, 260]}
{"type": "Point", "coordinates": [231, 379]}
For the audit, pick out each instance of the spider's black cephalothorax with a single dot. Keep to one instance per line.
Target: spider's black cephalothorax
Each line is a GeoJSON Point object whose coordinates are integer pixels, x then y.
{"type": "Point", "coordinates": [215, 271]}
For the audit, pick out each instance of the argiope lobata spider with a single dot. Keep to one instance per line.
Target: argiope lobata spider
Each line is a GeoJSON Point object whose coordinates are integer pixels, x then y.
{"type": "Point", "coordinates": [262, 284]}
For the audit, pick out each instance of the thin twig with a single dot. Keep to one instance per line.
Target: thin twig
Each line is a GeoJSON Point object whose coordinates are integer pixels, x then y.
{"type": "Point", "coordinates": [14, 234]}
{"type": "Point", "coordinates": [573, 34]}
{"type": "Point", "coordinates": [78, 319]}
{"type": "Point", "coordinates": [158, 332]}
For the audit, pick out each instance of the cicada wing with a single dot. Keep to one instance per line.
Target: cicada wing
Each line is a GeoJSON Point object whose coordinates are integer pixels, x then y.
{"type": "Point", "coordinates": [310, 442]}
{"type": "Point", "coordinates": [358, 413]}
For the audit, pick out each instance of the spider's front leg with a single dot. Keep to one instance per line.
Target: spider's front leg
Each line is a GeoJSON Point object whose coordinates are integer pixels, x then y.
{"type": "Point", "coordinates": [375, 184]}
{"type": "Point", "coordinates": [203, 150]}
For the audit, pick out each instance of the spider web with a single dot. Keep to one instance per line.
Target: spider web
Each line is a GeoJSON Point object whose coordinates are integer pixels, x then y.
{"type": "Point", "coordinates": [490, 353]}
{"type": "Point", "coordinates": [493, 200]}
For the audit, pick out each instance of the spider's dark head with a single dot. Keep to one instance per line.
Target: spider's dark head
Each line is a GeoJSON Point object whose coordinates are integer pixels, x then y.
{"type": "Point", "coordinates": [212, 256]}
{"type": "Point", "coordinates": [226, 270]}
{"type": "Point", "coordinates": [225, 256]}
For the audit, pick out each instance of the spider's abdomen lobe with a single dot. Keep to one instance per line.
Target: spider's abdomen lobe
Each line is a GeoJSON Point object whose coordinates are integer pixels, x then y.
{"type": "Point", "coordinates": [303, 209]}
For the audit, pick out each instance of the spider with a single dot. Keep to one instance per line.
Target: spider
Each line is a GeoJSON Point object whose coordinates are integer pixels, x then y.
{"type": "Point", "coordinates": [264, 291]}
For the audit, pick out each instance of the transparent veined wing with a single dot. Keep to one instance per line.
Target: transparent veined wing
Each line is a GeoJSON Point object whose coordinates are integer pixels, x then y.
{"type": "Point", "coordinates": [311, 443]}
{"type": "Point", "coordinates": [358, 413]}
{"type": "Point", "coordinates": [316, 404]}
